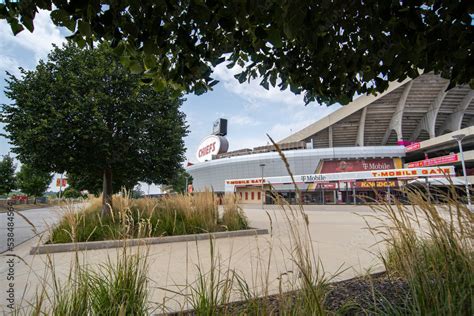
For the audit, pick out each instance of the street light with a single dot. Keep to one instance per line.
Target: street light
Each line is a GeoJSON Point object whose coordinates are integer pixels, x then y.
{"type": "Point", "coordinates": [262, 165]}
{"type": "Point", "coordinates": [459, 139]}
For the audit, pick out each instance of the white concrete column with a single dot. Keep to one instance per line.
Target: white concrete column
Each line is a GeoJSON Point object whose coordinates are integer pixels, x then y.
{"type": "Point", "coordinates": [454, 120]}
{"type": "Point", "coordinates": [428, 121]}
{"type": "Point", "coordinates": [397, 117]}
{"type": "Point", "coordinates": [361, 128]}
{"type": "Point", "coordinates": [330, 136]}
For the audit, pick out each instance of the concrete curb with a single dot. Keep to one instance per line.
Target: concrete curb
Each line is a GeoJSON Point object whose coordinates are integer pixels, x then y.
{"type": "Point", "coordinates": [93, 245]}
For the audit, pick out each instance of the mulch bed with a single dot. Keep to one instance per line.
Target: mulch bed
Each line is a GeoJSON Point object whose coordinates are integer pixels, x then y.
{"type": "Point", "coordinates": [366, 295]}
{"type": "Point", "coordinates": [357, 296]}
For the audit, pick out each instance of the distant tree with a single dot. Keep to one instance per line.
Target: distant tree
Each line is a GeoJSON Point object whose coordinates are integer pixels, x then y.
{"type": "Point", "coordinates": [7, 175]}
{"type": "Point", "coordinates": [180, 181]}
{"type": "Point", "coordinates": [137, 192]}
{"type": "Point", "coordinates": [329, 50]}
{"type": "Point", "coordinates": [83, 113]}
{"type": "Point", "coordinates": [71, 193]}
{"type": "Point", "coordinates": [32, 181]}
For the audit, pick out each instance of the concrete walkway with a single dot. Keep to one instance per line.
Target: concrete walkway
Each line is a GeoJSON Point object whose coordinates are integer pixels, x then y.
{"type": "Point", "coordinates": [336, 232]}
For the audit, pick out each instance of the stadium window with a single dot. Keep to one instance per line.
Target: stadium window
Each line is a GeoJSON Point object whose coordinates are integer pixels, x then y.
{"type": "Point", "coordinates": [253, 195]}
{"type": "Point", "coordinates": [246, 195]}
{"type": "Point", "coordinates": [259, 195]}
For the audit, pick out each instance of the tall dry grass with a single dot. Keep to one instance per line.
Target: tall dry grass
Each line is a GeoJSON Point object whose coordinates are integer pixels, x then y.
{"type": "Point", "coordinates": [136, 218]}
{"type": "Point", "coordinates": [431, 246]}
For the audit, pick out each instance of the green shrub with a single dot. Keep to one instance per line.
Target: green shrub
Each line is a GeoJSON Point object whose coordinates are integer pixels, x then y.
{"type": "Point", "coordinates": [119, 288]}
{"type": "Point", "coordinates": [71, 193]}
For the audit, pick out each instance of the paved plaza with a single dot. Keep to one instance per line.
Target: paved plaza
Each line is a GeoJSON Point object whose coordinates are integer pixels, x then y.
{"type": "Point", "coordinates": [338, 237]}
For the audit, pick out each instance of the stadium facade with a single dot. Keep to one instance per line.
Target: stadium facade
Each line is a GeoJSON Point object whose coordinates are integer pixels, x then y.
{"type": "Point", "coordinates": [409, 126]}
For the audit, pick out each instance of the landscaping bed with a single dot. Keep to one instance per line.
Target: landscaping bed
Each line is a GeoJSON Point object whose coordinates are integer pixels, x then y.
{"type": "Point", "coordinates": [146, 218]}
{"type": "Point", "coordinates": [365, 295]}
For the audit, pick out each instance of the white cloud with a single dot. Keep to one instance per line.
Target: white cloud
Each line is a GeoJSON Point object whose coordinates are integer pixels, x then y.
{"type": "Point", "coordinates": [243, 120]}
{"type": "Point", "coordinates": [299, 119]}
{"type": "Point", "coordinates": [9, 64]}
{"type": "Point", "coordinates": [252, 91]}
{"type": "Point", "coordinates": [39, 42]}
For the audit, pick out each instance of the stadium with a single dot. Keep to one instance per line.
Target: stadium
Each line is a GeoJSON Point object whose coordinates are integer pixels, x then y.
{"type": "Point", "coordinates": [418, 125]}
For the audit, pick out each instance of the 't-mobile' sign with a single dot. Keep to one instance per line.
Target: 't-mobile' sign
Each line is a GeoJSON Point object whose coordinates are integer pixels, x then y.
{"type": "Point", "coordinates": [210, 146]}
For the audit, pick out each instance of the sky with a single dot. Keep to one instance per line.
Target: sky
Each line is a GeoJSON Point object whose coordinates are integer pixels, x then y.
{"type": "Point", "coordinates": [251, 111]}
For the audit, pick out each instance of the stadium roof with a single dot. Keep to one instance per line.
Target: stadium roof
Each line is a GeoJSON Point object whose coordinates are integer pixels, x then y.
{"type": "Point", "coordinates": [412, 110]}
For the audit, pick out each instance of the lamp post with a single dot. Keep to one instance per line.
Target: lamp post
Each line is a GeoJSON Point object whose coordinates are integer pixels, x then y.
{"type": "Point", "coordinates": [262, 165]}
{"type": "Point", "coordinates": [459, 139]}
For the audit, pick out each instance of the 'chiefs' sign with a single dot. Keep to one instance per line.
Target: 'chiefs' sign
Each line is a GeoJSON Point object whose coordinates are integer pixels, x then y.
{"type": "Point", "coordinates": [210, 146]}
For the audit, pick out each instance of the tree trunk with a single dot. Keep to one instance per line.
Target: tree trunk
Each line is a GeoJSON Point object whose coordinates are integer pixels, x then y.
{"type": "Point", "coordinates": [107, 193]}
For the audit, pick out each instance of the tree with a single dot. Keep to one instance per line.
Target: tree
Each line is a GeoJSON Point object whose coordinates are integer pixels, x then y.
{"type": "Point", "coordinates": [7, 175]}
{"type": "Point", "coordinates": [83, 113]}
{"type": "Point", "coordinates": [72, 193]}
{"type": "Point", "coordinates": [330, 50]}
{"type": "Point", "coordinates": [33, 181]}
{"type": "Point", "coordinates": [180, 181]}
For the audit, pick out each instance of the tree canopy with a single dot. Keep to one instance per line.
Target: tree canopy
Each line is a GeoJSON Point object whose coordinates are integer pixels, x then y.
{"type": "Point", "coordinates": [83, 113]}
{"type": "Point", "coordinates": [33, 181]}
{"type": "Point", "coordinates": [329, 50]}
{"type": "Point", "coordinates": [7, 175]}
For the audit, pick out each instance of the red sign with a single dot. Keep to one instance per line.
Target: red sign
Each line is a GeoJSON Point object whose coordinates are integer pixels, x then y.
{"type": "Point", "coordinates": [434, 161]}
{"type": "Point", "coordinates": [246, 181]}
{"type": "Point", "coordinates": [61, 184]}
{"type": "Point", "coordinates": [20, 197]}
{"type": "Point", "coordinates": [375, 184]}
{"type": "Point", "coordinates": [412, 147]}
{"type": "Point", "coordinates": [334, 166]}
{"type": "Point", "coordinates": [326, 185]}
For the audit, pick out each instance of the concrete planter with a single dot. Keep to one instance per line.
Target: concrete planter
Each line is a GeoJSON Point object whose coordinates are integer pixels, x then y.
{"type": "Point", "coordinates": [93, 245]}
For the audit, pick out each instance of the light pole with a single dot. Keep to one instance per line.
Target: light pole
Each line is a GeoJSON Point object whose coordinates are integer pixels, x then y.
{"type": "Point", "coordinates": [459, 139]}
{"type": "Point", "coordinates": [262, 165]}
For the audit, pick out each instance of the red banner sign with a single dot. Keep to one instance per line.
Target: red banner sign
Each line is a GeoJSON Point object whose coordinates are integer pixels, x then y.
{"type": "Point", "coordinates": [245, 181]}
{"type": "Point", "coordinates": [61, 184]}
{"type": "Point", "coordinates": [434, 161]}
{"type": "Point", "coordinates": [326, 185]}
{"type": "Point", "coordinates": [412, 147]}
{"type": "Point", "coordinates": [375, 184]}
{"type": "Point", "coordinates": [334, 166]}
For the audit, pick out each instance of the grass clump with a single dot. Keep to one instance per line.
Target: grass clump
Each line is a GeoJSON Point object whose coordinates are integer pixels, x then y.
{"type": "Point", "coordinates": [119, 288]}
{"type": "Point", "coordinates": [431, 246]}
{"type": "Point", "coordinates": [233, 217]}
{"type": "Point", "coordinates": [137, 218]}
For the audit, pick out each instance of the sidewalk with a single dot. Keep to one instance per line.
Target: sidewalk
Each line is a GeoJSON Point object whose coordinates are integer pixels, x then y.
{"type": "Point", "coordinates": [338, 237]}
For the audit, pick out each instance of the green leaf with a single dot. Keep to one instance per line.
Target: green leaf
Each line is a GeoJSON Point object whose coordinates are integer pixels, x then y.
{"type": "Point", "coordinates": [28, 23]}
{"type": "Point", "coordinates": [84, 28]}
{"type": "Point", "coordinates": [15, 26]}
{"type": "Point", "coordinates": [159, 84]}
{"type": "Point", "coordinates": [150, 61]}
